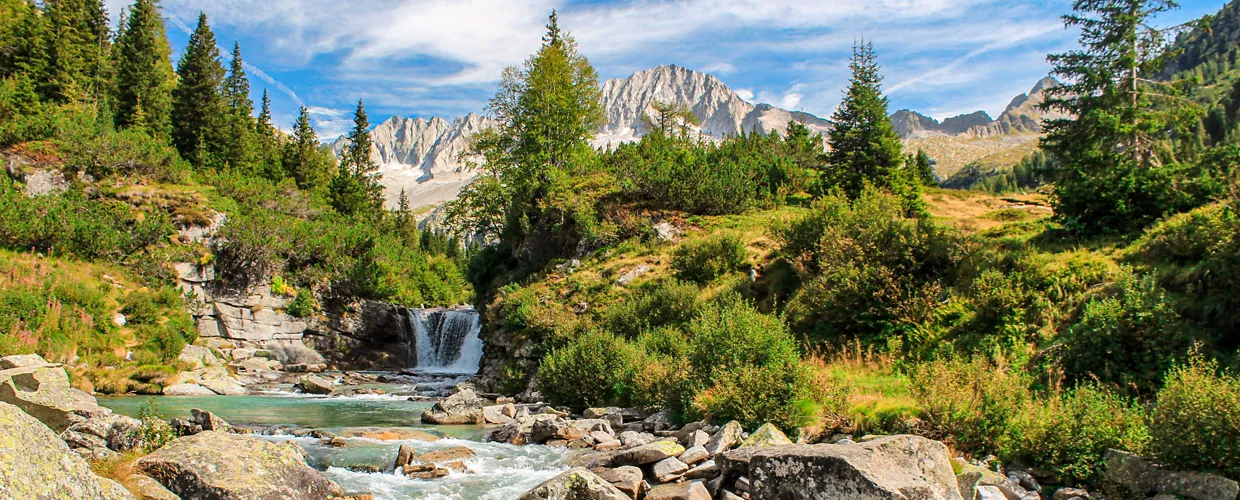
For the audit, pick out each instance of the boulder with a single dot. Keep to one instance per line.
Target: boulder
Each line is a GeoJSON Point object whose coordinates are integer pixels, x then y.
{"type": "Point", "coordinates": [223, 386]}
{"type": "Point", "coordinates": [767, 435]}
{"type": "Point", "coordinates": [901, 466]}
{"type": "Point", "coordinates": [633, 438]}
{"type": "Point", "coordinates": [197, 356]}
{"type": "Point", "coordinates": [208, 421]}
{"type": "Point", "coordinates": [187, 390]}
{"type": "Point", "coordinates": [405, 455]}
{"type": "Point", "coordinates": [693, 490]}
{"type": "Point", "coordinates": [696, 438]}
{"type": "Point", "coordinates": [43, 391]}
{"type": "Point", "coordinates": [704, 470]}
{"type": "Point", "coordinates": [47, 469]}
{"type": "Point", "coordinates": [972, 478]}
{"type": "Point", "coordinates": [627, 479]}
{"type": "Point", "coordinates": [649, 453]}
{"type": "Point", "coordinates": [447, 455]}
{"type": "Point", "coordinates": [464, 407]}
{"type": "Point", "coordinates": [314, 384]}
{"type": "Point", "coordinates": [669, 469]}
{"type": "Point", "coordinates": [218, 465]}
{"type": "Point", "coordinates": [150, 489]}
{"type": "Point", "coordinates": [728, 436]}
{"type": "Point", "coordinates": [575, 484]}
{"type": "Point", "coordinates": [694, 455]}
{"type": "Point", "coordinates": [22, 361]}
{"type": "Point", "coordinates": [495, 415]}
{"type": "Point", "coordinates": [1138, 477]}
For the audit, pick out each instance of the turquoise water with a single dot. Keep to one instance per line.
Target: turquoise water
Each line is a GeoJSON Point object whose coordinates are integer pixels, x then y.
{"type": "Point", "coordinates": [499, 472]}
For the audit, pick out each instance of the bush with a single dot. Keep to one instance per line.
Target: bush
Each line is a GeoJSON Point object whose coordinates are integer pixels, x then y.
{"type": "Point", "coordinates": [303, 304]}
{"type": "Point", "coordinates": [868, 271]}
{"type": "Point", "coordinates": [781, 394]}
{"type": "Point", "coordinates": [704, 260]}
{"type": "Point", "coordinates": [1129, 338]}
{"type": "Point", "coordinates": [596, 369]}
{"type": "Point", "coordinates": [1195, 424]}
{"type": "Point", "coordinates": [71, 223]}
{"type": "Point", "coordinates": [970, 403]}
{"type": "Point", "coordinates": [663, 303]}
{"type": "Point", "coordinates": [1069, 433]}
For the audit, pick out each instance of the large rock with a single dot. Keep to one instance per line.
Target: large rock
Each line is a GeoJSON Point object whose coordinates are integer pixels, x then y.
{"type": "Point", "coordinates": [903, 467]}
{"type": "Point", "coordinates": [35, 464]}
{"type": "Point", "coordinates": [1138, 477]}
{"type": "Point", "coordinates": [43, 391]}
{"type": "Point", "coordinates": [216, 465]}
{"type": "Point", "coordinates": [627, 479]}
{"type": "Point", "coordinates": [187, 390]}
{"type": "Point", "coordinates": [725, 438]}
{"type": "Point", "coordinates": [767, 435]}
{"type": "Point", "coordinates": [649, 453]}
{"type": "Point", "coordinates": [464, 407]}
{"type": "Point", "coordinates": [197, 356]}
{"type": "Point", "coordinates": [314, 384]}
{"type": "Point", "coordinates": [693, 490]}
{"type": "Point", "coordinates": [150, 489]}
{"type": "Point", "coordinates": [575, 484]}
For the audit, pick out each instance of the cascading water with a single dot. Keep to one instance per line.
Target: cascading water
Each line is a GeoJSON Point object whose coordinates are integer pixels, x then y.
{"type": "Point", "coordinates": [446, 340]}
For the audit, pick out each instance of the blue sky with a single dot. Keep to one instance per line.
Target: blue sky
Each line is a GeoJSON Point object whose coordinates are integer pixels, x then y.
{"type": "Point", "coordinates": [443, 57]}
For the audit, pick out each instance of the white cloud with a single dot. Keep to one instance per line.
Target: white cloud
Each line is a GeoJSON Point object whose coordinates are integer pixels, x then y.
{"type": "Point", "coordinates": [719, 68]}
{"type": "Point", "coordinates": [746, 94]}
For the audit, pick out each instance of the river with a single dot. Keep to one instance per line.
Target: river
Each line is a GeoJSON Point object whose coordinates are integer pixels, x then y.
{"type": "Point", "coordinates": [499, 472]}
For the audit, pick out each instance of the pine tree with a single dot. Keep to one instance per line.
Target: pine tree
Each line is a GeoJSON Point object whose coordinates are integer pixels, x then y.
{"type": "Point", "coordinates": [198, 108]}
{"type": "Point", "coordinates": [24, 52]}
{"type": "Point", "coordinates": [237, 85]}
{"type": "Point", "coordinates": [78, 51]}
{"type": "Point", "coordinates": [303, 160]}
{"type": "Point", "coordinates": [1117, 169]}
{"type": "Point", "coordinates": [241, 144]}
{"type": "Point", "coordinates": [270, 155]}
{"type": "Point", "coordinates": [923, 166]}
{"type": "Point", "coordinates": [356, 190]}
{"type": "Point", "coordinates": [144, 76]}
{"type": "Point", "coordinates": [865, 149]}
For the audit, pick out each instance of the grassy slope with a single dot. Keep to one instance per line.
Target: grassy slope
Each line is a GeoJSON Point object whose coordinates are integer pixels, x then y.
{"type": "Point", "coordinates": [879, 392]}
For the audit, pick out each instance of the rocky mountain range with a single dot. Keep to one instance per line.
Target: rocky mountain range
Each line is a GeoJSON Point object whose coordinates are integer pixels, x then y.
{"type": "Point", "coordinates": [1021, 115]}
{"type": "Point", "coordinates": [423, 157]}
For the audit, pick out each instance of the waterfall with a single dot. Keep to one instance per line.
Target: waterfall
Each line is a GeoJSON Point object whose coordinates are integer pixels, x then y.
{"type": "Point", "coordinates": [446, 340]}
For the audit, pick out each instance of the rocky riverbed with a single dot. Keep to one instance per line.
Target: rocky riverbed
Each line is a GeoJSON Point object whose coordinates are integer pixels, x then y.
{"type": "Point", "coordinates": [382, 436]}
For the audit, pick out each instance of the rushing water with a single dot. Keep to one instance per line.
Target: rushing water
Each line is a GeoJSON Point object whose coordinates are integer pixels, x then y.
{"type": "Point", "coordinates": [499, 472]}
{"type": "Point", "coordinates": [446, 340]}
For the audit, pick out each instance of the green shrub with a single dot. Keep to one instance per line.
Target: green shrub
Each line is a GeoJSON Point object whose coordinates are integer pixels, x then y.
{"type": "Point", "coordinates": [704, 260]}
{"type": "Point", "coordinates": [155, 432]}
{"type": "Point", "coordinates": [1069, 434]}
{"type": "Point", "coordinates": [970, 403]}
{"type": "Point", "coordinates": [71, 223]}
{"type": "Point", "coordinates": [303, 304]}
{"type": "Point", "coordinates": [1129, 338]}
{"type": "Point", "coordinates": [781, 394]}
{"type": "Point", "coordinates": [139, 308]}
{"type": "Point", "coordinates": [596, 369]}
{"type": "Point", "coordinates": [1195, 424]}
{"type": "Point", "coordinates": [869, 271]}
{"type": "Point", "coordinates": [662, 303]}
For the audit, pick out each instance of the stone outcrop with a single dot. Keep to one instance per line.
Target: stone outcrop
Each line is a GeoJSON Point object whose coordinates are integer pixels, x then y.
{"type": "Point", "coordinates": [1137, 477]}
{"type": "Point", "coordinates": [902, 466]}
{"type": "Point", "coordinates": [42, 390]}
{"type": "Point", "coordinates": [39, 465]}
{"type": "Point", "coordinates": [314, 384]}
{"type": "Point", "coordinates": [464, 407]}
{"type": "Point", "coordinates": [219, 465]}
{"type": "Point", "coordinates": [575, 484]}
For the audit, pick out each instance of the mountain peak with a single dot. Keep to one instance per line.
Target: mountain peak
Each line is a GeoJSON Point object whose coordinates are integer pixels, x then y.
{"type": "Point", "coordinates": [1048, 82]}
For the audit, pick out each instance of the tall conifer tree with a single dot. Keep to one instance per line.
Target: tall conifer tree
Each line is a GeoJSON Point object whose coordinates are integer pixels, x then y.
{"type": "Point", "coordinates": [198, 107]}
{"type": "Point", "coordinates": [240, 142]}
{"type": "Point", "coordinates": [865, 148]}
{"type": "Point", "coordinates": [303, 160]}
{"type": "Point", "coordinates": [357, 189]}
{"type": "Point", "coordinates": [144, 76]}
